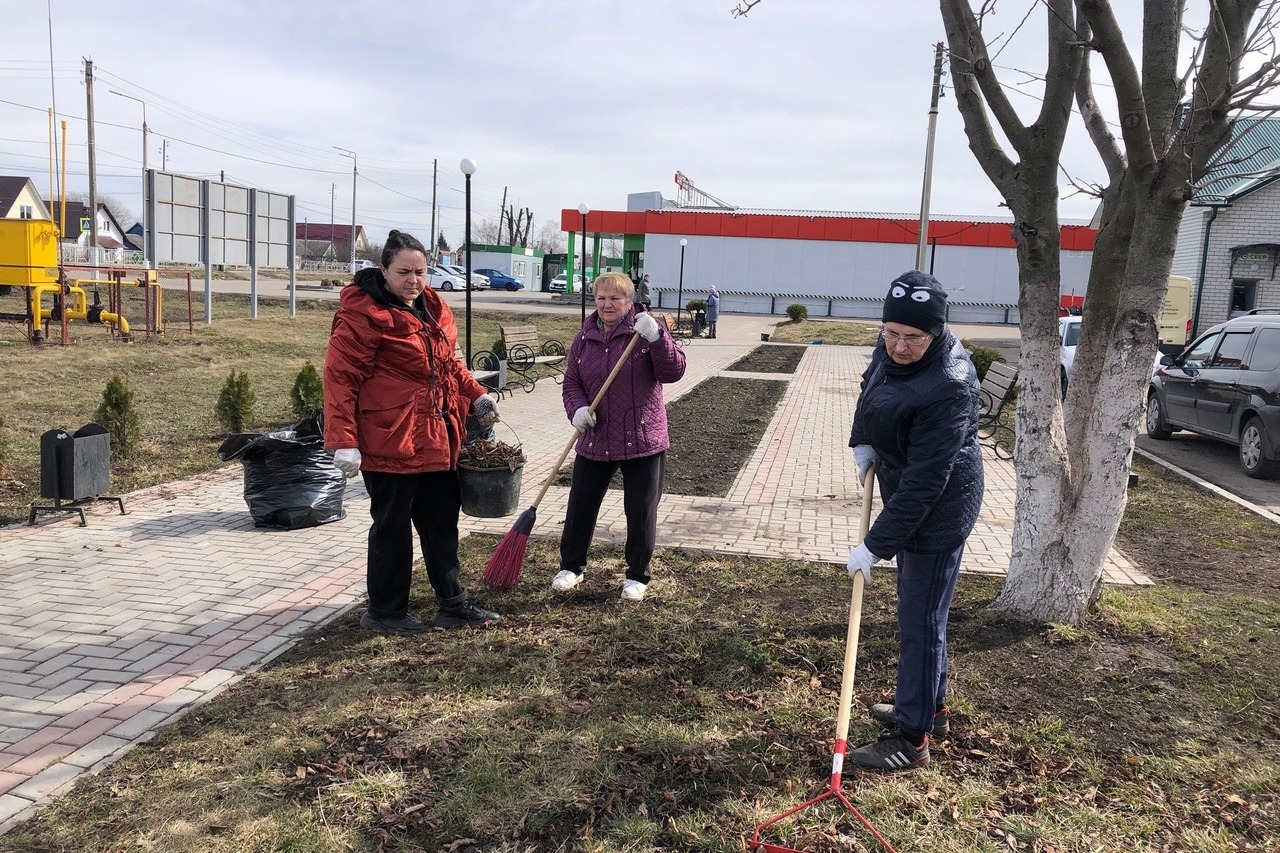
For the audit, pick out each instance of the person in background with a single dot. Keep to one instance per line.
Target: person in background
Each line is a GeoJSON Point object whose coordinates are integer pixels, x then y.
{"type": "Point", "coordinates": [642, 294]}
{"type": "Point", "coordinates": [628, 430]}
{"type": "Point", "coordinates": [917, 420]}
{"type": "Point", "coordinates": [712, 310]}
{"type": "Point", "coordinates": [396, 399]}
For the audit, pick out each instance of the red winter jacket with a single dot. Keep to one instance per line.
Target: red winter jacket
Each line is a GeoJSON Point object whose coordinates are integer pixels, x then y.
{"type": "Point", "coordinates": [393, 386]}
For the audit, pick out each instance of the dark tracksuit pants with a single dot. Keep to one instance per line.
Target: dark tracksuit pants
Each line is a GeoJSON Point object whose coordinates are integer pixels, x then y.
{"type": "Point", "coordinates": [400, 503]}
{"type": "Point", "coordinates": [641, 489]}
{"type": "Point", "coordinates": [926, 585]}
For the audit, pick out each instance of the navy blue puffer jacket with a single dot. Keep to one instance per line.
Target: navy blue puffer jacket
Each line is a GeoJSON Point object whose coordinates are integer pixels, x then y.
{"type": "Point", "coordinates": [922, 420]}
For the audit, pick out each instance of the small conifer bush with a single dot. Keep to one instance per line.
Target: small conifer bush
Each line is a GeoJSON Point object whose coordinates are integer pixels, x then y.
{"type": "Point", "coordinates": [308, 391]}
{"type": "Point", "coordinates": [117, 414]}
{"type": "Point", "coordinates": [798, 313]}
{"type": "Point", "coordinates": [235, 402]}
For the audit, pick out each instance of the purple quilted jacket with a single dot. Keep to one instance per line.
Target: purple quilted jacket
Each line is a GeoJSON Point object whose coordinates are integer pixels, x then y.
{"type": "Point", "coordinates": [631, 420]}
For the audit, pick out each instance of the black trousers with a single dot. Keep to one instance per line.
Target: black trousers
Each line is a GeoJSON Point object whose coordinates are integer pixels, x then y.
{"type": "Point", "coordinates": [399, 504]}
{"type": "Point", "coordinates": [641, 489]}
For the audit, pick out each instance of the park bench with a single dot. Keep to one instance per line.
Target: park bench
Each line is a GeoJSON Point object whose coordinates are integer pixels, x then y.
{"type": "Point", "coordinates": [672, 328]}
{"type": "Point", "coordinates": [524, 353]}
{"type": "Point", "coordinates": [994, 394]}
{"type": "Point", "coordinates": [485, 369]}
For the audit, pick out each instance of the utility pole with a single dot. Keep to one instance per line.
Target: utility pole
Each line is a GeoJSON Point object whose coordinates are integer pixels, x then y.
{"type": "Point", "coordinates": [164, 155]}
{"type": "Point", "coordinates": [922, 240]}
{"type": "Point", "coordinates": [435, 174]}
{"type": "Point", "coordinates": [333, 200]}
{"type": "Point", "coordinates": [93, 169]}
{"type": "Point", "coordinates": [502, 211]}
{"type": "Point", "coordinates": [355, 172]}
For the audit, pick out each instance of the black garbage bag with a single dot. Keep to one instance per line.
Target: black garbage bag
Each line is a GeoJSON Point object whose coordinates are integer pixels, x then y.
{"type": "Point", "coordinates": [289, 478]}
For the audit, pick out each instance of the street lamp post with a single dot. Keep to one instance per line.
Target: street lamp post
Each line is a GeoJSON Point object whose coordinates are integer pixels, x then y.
{"type": "Point", "coordinates": [468, 167]}
{"type": "Point", "coordinates": [584, 210]}
{"type": "Point", "coordinates": [146, 224]}
{"type": "Point", "coordinates": [355, 171]}
{"type": "Point", "coordinates": [680, 287]}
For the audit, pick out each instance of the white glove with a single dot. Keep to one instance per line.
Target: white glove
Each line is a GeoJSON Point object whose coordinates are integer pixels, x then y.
{"type": "Point", "coordinates": [347, 460]}
{"type": "Point", "coordinates": [646, 327]}
{"type": "Point", "coordinates": [485, 408]}
{"type": "Point", "coordinates": [861, 560]}
{"type": "Point", "coordinates": [863, 456]}
{"type": "Point", "coordinates": [584, 419]}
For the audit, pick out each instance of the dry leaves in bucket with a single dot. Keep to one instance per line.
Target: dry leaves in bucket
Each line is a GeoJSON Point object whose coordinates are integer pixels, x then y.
{"type": "Point", "coordinates": [491, 454]}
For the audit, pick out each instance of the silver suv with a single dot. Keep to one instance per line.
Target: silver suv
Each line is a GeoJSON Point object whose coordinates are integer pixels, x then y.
{"type": "Point", "coordinates": [1225, 385]}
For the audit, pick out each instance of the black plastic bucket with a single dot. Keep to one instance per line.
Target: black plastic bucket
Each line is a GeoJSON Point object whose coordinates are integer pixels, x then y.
{"type": "Point", "coordinates": [490, 492]}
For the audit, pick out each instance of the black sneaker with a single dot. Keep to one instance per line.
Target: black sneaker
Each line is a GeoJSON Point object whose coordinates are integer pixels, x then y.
{"type": "Point", "coordinates": [884, 714]}
{"type": "Point", "coordinates": [393, 624]}
{"type": "Point", "coordinates": [893, 753]}
{"type": "Point", "coordinates": [464, 615]}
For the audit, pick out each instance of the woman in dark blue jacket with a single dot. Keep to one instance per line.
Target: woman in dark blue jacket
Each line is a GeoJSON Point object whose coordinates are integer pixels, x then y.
{"type": "Point", "coordinates": [917, 419]}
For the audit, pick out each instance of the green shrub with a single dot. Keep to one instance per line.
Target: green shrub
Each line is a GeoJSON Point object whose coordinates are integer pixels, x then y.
{"type": "Point", "coordinates": [235, 402]}
{"type": "Point", "coordinates": [982, 357]}
{"type": "Point", "coordinates": [118, 415]}
{"type": "Point", "coordinates": [798, 313]}
{"type": "Point", "coordinates": [499, 347]}
{"type": "Point", "coordinates": [696, 305]}
{"type": "Point", "coordinates": [308, 392]}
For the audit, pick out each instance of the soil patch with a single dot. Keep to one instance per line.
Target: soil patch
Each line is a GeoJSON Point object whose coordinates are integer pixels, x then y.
{"type": "Point", "coordinates": [770, 358]}
{"type": "Point", "coordinates": [714, 430]}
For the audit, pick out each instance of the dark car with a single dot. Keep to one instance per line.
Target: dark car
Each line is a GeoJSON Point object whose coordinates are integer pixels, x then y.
{"type": "Point", "coordinates": [1225, 385]}
{"type": "Point", "coordinates": [498, 280]}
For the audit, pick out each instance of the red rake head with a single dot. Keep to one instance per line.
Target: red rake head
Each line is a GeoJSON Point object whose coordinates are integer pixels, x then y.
{"type": "Point", "coordinates": [833, 790]}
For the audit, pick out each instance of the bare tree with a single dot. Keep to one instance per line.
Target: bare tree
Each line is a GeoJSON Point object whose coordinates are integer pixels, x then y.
{"type": "Point", "coordinates": [1073, 457]}
{"type": "Point", "coordinates": [549, 238]}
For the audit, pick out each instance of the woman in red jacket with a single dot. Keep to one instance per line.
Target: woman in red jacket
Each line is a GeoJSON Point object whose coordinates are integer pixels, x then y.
{"type": "Point", "coordinates": [395, 405]}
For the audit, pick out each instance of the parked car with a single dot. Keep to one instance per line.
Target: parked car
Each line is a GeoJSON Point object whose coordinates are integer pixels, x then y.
{"type": "Point", "coordinates": [365, 264]}
{"type": "Point", "coordinates": [1225, 385]}
{"type": "Point", "coordinates": [1068, 337]}
{"type": "Point", "coordinates": [499, 280]}
{"type": "Point", "coordinates": [560, 283]}
{"type": "Point", "coordinates": [478, 281]}
{"type": "Point", "coordinates": [442, 279]}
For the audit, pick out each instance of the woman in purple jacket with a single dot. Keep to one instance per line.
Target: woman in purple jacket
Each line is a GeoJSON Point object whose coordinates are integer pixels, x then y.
{"type": "Point", "coordinates": [628, 430]}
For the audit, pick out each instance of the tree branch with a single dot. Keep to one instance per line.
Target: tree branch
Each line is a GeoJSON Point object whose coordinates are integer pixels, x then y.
{"type": "Point", "coordinates": [1134, 127]}
{"type": "Point", "coordinates": [1095, 123]}
{"type": "Point", "coordinates": [964, 40]}
{"type": "Point", "coordinates": [956, 13]}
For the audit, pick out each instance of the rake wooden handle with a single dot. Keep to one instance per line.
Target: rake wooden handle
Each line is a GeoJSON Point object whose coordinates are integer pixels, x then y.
{"type": "Point", "coordinates": [855, 616]}
{"type": "Point", "coordinates": [613, 374]}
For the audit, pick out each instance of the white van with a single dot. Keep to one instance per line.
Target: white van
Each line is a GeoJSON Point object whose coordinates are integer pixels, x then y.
{"type": "Point", "coordinates": [1174, 323]}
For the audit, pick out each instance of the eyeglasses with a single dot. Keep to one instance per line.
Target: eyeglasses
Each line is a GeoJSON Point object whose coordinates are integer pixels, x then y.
{"type": "Point", "coordinates": [892, 339]}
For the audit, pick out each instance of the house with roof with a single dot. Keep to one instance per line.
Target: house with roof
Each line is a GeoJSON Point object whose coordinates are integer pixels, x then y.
{"type": "Point", "coordinates": [112, 240]}
{"type": "Point", "coordinates": [324, 241]}
{"type": "Point", "coordinates": [1229, 239]}
{"type": "Point", "coordinates": [19, 199]}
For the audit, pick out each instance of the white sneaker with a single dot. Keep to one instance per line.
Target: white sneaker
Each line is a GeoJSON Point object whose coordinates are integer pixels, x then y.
{"type": "Point", "coordinates": [565, 580]}
{"type": "Point", "coordinates": [633, 591]}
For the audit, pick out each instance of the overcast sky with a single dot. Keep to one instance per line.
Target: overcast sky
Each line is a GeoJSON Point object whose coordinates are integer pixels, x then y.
{"type": "Point", "coordinates": [802, 105]}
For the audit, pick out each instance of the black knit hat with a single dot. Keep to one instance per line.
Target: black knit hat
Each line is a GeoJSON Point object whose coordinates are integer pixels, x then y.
{"type": "Point", "coordinates": [917, 300]}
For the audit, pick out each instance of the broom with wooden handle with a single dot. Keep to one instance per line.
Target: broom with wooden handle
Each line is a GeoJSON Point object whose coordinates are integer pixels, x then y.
{"type": "Point", "coordinates": [503, 570]}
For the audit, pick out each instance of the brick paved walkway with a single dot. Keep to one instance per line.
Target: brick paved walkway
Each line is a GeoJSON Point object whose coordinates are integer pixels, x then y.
{"type": "Point", "coordinates": [108, 632]}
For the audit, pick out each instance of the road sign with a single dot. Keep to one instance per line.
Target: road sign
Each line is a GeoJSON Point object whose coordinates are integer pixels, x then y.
{"type": "Point", "coordinates": [85, 223]}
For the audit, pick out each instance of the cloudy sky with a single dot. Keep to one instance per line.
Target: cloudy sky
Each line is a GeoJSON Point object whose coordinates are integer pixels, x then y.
{"type": "Point", "coordinates": [802, 105]}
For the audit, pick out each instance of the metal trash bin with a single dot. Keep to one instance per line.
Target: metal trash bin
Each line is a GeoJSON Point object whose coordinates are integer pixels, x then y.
{"type": "Point", "coordinates": [74, 468]}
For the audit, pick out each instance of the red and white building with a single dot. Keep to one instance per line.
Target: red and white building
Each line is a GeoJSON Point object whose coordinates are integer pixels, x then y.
{"type": "Point", "coordinates": [835, 264]}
